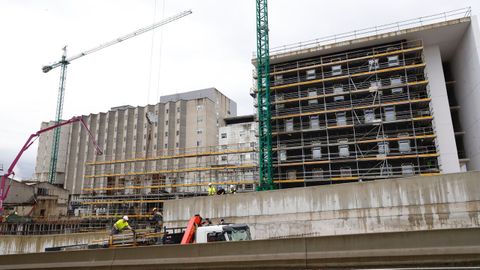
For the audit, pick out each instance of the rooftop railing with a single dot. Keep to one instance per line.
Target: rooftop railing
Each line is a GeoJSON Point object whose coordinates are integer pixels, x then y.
{"type": "Point", "coordinates": [377, 30]}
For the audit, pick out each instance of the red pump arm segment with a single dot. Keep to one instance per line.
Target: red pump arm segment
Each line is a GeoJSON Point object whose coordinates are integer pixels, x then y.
{"type": "Point", "coordinates": [192, 225]}
{"type": "Point", "coordinates": [5, 188]}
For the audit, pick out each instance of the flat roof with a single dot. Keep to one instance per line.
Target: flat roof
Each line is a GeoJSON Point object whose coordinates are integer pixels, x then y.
{"type": "Point", "coordinates": [444, 34]}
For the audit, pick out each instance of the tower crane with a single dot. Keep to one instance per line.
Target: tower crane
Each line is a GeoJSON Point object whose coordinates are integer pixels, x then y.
{"type": "Point", "coordinates": [63, 72]}
{"type": "Point", "coordinates": [263, 98]}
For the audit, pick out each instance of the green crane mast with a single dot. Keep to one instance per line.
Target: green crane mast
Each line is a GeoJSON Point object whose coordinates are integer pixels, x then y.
{"type": "Point", "coordinates": [263, 98]}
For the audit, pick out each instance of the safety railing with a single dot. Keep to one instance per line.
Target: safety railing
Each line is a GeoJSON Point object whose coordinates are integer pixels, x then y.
{"type": "Point", "coordinates": [376, 30]}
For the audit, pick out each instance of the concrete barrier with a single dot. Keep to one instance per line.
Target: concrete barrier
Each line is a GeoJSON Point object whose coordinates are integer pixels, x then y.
{"type": "Point", "coordinates": [406, 204]}
{"type": "Point", "coordinates": [18, 244]}
{"type": "Point", "coordinates": [434, 248]}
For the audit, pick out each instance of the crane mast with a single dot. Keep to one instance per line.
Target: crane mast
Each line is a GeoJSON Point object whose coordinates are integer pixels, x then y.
{"type": "Point", "coordinates": [263, 98]}
{"type": "Point", "coordinates": [61, 91]}
{"type": "Point", "coordinates": [58, 117]}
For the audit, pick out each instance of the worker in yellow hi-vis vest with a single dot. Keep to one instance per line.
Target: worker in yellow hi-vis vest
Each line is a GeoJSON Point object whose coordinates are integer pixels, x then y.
{"type": "Point", "coordinates": [121, 225]}
{"type": "Point", "coordinates": [211, 190]}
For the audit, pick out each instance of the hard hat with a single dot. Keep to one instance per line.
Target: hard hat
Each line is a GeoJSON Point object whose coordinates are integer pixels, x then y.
{"type": "Point", "coordinates": [125, 218]}
{"type": "Point", "coordinates": [209, 184]}
{"type": "Point", "coordinates": [154, 209]}
{"type": "Point", "coordinates": [232, 186]}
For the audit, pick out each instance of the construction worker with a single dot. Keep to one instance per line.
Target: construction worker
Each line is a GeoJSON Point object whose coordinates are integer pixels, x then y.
{"type": "Point", "coordinates": [211, 190]}
{"type": "Point", "coordinates": [221, 191]}
{"type": "Point", "coordinates": [232, 190]}
{"type": "Point", "coordinates": [121, 225]}
{"type": "Point", "coordinates": [157, 219]}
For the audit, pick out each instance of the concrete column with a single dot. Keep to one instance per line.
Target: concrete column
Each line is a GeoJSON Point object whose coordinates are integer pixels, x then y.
{"type": "Point", "coordinates": [442, 119]}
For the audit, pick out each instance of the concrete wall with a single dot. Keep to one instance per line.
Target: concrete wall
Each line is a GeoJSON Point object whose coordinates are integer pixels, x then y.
{"type": "Point", "coordinates": [15, 244]}
{"type": "Point", "coordinates": [465, 67]}
{"type": "Point", "coordinates": [408, 204]}
{"type": "Point", "coordinates": [442, 119]}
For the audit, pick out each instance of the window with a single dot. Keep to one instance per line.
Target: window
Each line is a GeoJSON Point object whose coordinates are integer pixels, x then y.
{"type": "Point", "coordinates": [166, 111]}
{"type": "Point", "coordinates": [289, 124]}
{"type": "Point", "coordinates": [166, 145]}
{"type": "Point", "coordinates": [178, 109]}
{"type": "Point", "coordinates": [224, 135]}
{"type": "Point", "coordinates": [199, 107]}
{"type": "Point", "coordinates": [154, 147]}
{"type": "Point", "coordinates": [393, 61]}
{"type": "Point", "coordinates": [373, 64]}
{"type": "Point", "coordinates": [199, 120]}
{"type": "Point", "coordinates": [317, 174]}
{"type": "Point", "coordinates": [278, 79]}
{"type": "Point", "coordinates": [338, 89]}
{"type": "Point", "coordinates": [374, 85]}
{"type": "Point", "coordinates": [407, 169]}
{"type": "Point", "coordinates": [177, 132]}
{"type": "Point", "coordinates": [390, 114]}
{"type": "Point", "coordinates": [314, 123]}
{"type": "Point", "coordinates": [369, 115]}
{"type": "Point", "coordinates": [178, 121]}
{"type": "Point", "coordinates": [386, 169]}
{"type": "Point", "coordinates": [336, 70]}
{"type": "Point", "coordinates": [311, 74]}
{"type": "Point", "coordinates": [317, 152]}
{"type": "Point", "coordinates": [346, 172]}
{"type": "Point", "coordinates": [199, 143]}
{"type": "Point", "coordinates": [199, 131]}
{"type": "Point", "coordinates": [341, 118]}
{"type": "Point", "coordinates": [166, 123]}
{"type": "Point", "coordinates": [404, 146]}
{"type": "Point", "coordinates": [166, 133]}
{"type": "Point", "coordinates": [283, 155]}
{"type": "Point", "coordinates": [241, 133]}
{"type": "Point", "coordinates": [42, 192]}
{"type": "Point", "coordinates": [396, 91]}
{"type": "Point", "coordinates": [292, 174]}
{"type": "Point", "coordinates": [383, 148]}
{"type": "Point", "coordinates": [343, 150]}
{"type": "Point", "coordinates": [395, 81]}
{"type": "Point", "coordinates": [176, 144]}
{"type": "Point", "coordinates": [224, 158]}
{"type": "Point", "coordinates": [312, 93]}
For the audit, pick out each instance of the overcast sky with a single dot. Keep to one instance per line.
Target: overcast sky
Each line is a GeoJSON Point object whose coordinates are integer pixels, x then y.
{"type": "Point", "coordinates": [211, 48]}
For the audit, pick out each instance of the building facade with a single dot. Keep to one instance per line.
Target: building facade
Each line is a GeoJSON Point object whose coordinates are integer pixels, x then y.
{"type": "Point", "coordinates": [142, 146]}
{"type": "Point", "coordinates": [238, 139]}
{"type": "Point", "coordinates": [390, 105]}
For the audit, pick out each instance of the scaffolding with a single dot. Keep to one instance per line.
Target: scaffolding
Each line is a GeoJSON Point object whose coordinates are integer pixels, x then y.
{"type": "Point", "coordinates": [115, 187]}
{"type": "Point", "coordinates": [353, 116]}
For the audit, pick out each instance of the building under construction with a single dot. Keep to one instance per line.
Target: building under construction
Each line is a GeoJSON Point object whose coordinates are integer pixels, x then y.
{"type": "Point", "coordinates": [368, 105]}
{"type": "Point", "coordinates": [152, 153]}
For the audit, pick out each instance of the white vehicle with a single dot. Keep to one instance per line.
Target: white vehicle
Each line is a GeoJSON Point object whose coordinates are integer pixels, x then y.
{"type": "Point", "coordinates": [216, 233]}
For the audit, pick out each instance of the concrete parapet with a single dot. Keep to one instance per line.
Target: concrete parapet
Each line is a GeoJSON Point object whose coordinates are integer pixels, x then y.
{"type": "Point", "coordinates": [17, 244]}
{"type": "Point", "coordinates": [406, 204]}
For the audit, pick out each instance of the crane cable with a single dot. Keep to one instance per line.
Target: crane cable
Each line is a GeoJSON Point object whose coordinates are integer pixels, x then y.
{"type": "Point", "coordinates": [159, 55]}
{"type": "Point", "coordinates": [149, 83]}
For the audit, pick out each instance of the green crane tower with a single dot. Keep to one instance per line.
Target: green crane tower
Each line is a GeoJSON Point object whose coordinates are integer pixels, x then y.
{"type": "Point", "coordinates": [263, 98]}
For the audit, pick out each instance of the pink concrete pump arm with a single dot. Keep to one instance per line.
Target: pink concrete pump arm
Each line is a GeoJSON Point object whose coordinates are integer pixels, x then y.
{"type": "Point", "coordinates": [4, 188]}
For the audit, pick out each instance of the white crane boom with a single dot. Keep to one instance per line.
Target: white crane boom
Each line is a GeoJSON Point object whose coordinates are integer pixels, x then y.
{"type": "Point", "coordinates": [118, 40]}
